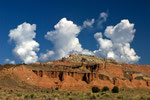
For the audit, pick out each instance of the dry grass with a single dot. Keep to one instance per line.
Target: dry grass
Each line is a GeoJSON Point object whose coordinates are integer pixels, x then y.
{"type": "Point", "coordinates": [51, 94]}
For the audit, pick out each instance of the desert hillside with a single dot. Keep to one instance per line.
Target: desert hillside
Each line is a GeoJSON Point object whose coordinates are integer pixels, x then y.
{"type": "Point", "coordinates": [77, 72]}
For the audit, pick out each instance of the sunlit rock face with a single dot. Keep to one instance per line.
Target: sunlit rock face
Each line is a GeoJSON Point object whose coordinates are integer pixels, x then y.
{"type": "Point", "coordinates": [78, 72]}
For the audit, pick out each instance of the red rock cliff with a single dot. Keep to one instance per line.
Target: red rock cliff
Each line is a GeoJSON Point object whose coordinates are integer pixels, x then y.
{"type": "Point", "coordinates": [80, 72]}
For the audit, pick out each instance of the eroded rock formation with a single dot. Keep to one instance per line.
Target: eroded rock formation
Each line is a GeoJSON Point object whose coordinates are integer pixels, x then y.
{"type": "Point", "coordinates": [80, 72]}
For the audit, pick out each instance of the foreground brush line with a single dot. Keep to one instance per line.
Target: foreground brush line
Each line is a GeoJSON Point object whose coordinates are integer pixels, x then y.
{"type": "Point", "coordinates": [77, 72]}
{"type": "Point", "coordinates": [52, 94]}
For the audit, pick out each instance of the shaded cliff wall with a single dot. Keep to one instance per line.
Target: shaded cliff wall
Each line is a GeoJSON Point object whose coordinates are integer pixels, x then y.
{"type": "Point", "coordinates": [100, 75]}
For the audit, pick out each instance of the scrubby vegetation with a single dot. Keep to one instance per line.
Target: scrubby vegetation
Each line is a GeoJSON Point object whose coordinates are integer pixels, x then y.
{"type": "Point", "coordinates": [52, 94]}
{"type": "Point", "coordinates": [105, 88]}
{"type": "Point", "coordinates": [115, 89]}
{"type": "Point", "coordinates": [95, 89]}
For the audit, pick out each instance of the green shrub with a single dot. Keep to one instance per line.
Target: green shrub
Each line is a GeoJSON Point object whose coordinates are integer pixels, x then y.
{"type": "Point", "coordinates": [106, 95]}
{"type": "Point", "coordinates": [115, 89]}
{"type": "Point", "coordinates": [19, 94]}
{"type": "Point", "coordinates": [32, 95]}
{"type": "Point", "coordinates": [143, 97]}
{"type": "Point", "coordinates": [70, 98]}
{"type": "Point", "coordinates": [95, 89]}
{"type": "Point", "coordinates": [26, 96]}
{"type": "Point", "coordinates": [7, 98]}
{"type": "Point", "coordinates": [148, 98]}
{"type": "Point", "coordinates": [105, 88]}
{"type": "Point", "coordinates": [93, 97]}
{"type": "Point", "coordinates": [56, 95]}
{"type": "Point", "coordinates": [98, 95]}
{"type": "Point", "coordinates": [88, 93]}
{"type": "Point", "coordinates": [68, 93]}
{"type": "Point", "coordinates": [103, 93]}
{"type": "Point", "coordinates": [56, 88]}
{"type": "Point", "coordinates": [120, 97]}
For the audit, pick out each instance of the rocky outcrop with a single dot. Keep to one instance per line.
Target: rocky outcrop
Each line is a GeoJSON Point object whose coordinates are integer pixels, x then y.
{"type": "Point", "coordinates": [80, 72]}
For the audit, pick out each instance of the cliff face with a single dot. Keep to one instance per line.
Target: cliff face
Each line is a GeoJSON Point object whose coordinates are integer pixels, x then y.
{"type": "Point", "coordinates": [80, 72]}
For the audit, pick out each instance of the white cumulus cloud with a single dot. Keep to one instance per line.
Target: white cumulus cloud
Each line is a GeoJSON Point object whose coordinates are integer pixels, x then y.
{"type": "Point", "coordinates": [64, 39]}
{"type": "Point", "coordinates": [88, 23]}
{"type": "Point", "coordinates": [117, 44]}
{"type": "Point", "coordinates": [8, 61]}
{"type": "Point", "coordinates": [121, 33]}
{"type": "Point", "coordinates": [102, 18]}
{"type": "Point", "coordinates": [47, 55]}
{"type": "Point", "coordinates": [26, 48]}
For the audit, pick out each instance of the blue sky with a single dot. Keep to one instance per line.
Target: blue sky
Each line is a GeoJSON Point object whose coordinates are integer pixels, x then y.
{"type": "Point", "coordinates": [47, 13]}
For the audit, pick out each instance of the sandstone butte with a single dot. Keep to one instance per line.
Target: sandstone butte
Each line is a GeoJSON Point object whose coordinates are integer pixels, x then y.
{"type": "Point", "coordinates": [77, 72]}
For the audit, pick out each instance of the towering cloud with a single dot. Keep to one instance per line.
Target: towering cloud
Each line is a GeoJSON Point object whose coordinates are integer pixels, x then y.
{"type": "Point", "coordinates": [64, 39]}
{"type": "Point", "coordinates": [26, 47]}
{"type": "Point", "coordinates": [117, 46]}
